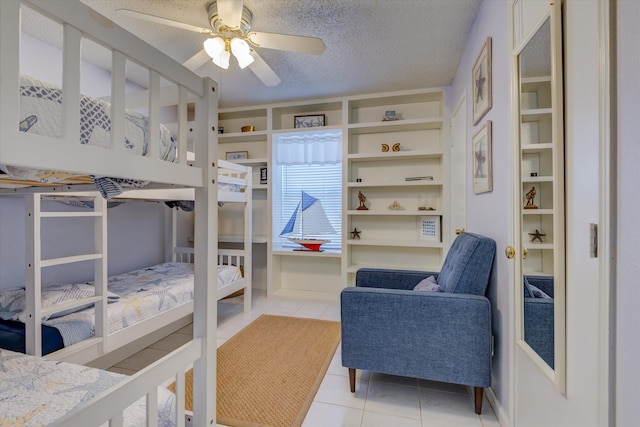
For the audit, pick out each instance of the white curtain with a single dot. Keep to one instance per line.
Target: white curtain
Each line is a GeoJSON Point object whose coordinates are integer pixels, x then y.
{"type": "Point", "coordinates": [309, 148]}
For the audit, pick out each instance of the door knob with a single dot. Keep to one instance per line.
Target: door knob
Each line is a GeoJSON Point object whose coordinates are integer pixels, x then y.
{"type": "Point", "coordinates": [524, 253]}
{"type": "Point", "coordinates": [459, 231]}
{"type": "Point", "coordinates": [510, 252]}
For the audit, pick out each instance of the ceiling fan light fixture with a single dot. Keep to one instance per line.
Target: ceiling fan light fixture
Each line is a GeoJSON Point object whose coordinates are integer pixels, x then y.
{"type": "Point", "coordinates": [241, 50]}
{"type": "Point", "coordinates": [216, 49]}
{"type": "Point", "coordinates": [214, 46]}
{"type": "Point", "coordinates": [223, 62]}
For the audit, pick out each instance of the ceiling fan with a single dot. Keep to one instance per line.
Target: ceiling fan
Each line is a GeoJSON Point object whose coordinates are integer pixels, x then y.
{"type": "Point", "coordinates": [231, 33]}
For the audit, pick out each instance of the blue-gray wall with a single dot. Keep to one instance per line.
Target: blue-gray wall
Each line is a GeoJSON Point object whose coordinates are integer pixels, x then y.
{"type": "Point", "coordinates": [488, 213]}
{"type": "Point", "coordinates": [136, 230]}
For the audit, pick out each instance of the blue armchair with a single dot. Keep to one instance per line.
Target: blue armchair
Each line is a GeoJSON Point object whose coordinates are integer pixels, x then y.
{"type": "Point", "coordinates": [443, 336]}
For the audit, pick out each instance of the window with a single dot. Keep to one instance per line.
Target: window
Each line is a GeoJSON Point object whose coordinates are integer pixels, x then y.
{"type": "Point", "coordinates": [309, 162]}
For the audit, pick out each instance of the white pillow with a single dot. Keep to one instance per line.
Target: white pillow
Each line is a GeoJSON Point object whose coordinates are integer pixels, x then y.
{"type": "Point", "coordinates": [428, 285]}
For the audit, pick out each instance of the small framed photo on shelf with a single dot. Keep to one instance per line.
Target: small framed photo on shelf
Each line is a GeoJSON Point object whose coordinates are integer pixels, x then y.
{"type": "Point", "coordinates": [237, 155]}
{"type": "Point", "coordinates": [389, 115]}
{"type": "Point", "coordinates": [482, 160]}
{"type": "Point", "coordinates": [429, 228]}
{"type": "Point", "coordinates": [481, 83]}
{"type": "Point", "coordinates": [263, 175]}
{"type": "Point", "coordinates": [309, 121]}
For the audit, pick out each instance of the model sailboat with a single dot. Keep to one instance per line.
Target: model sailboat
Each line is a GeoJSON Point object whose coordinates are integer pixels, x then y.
{"type": "Point", "coordinates": [308, 219]}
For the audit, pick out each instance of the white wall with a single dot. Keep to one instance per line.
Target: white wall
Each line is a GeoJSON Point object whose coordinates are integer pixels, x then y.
{"type": "Point", "coordinates": [488, 213]}
{"type": "Point", "coordinates": [628, 262]}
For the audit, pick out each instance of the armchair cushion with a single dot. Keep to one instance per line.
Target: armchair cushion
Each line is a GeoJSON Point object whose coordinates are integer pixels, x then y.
{"type": "Point", "coordinates": [465, 268]}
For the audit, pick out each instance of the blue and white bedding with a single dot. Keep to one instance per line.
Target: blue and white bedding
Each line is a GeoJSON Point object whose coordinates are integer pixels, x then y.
{"type": "Point", "coordinates": [41, 114]}
{"type": "Point", "coordinates": [36, 392]}
{"type": "Point", "coordinates": [133, 297]}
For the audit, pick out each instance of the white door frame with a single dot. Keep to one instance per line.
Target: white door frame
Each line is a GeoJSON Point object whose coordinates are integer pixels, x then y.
{"type": "Point", "coordinates": [458, 167]}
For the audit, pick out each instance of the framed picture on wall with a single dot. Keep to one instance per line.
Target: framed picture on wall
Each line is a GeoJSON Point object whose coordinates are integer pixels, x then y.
{"type": "Point", "coordinates": [237, 155]}
{"type": "Point", "coordinates": [429, 228]}
{"type": "Point", "coordinates": [482, 160]}
{"type": "Point", "coordinates": [309, 121]}
{"type": "Point", "coordinates": [481, 83]}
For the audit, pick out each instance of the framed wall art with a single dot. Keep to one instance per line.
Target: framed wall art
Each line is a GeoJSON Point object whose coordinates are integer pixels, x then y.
{"type": "Point", "coordinates": [309, 121]}
{"type": "Point", "coordinates": [429, 228]}
{"type": "Point", "coordinates": [237, 155]}
{"type": "Point", "coordinates": [482, 160]}
{"type": "Point", "coordinates": [481, 83]}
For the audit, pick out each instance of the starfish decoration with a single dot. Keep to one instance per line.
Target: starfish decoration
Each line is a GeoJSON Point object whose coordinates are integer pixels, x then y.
{"type": "Point", "coordinates": [479, 84]}
{"type": "Point", "coordinates": [355, 234]}
{"type": "Point", "coordinates": [537, 236]}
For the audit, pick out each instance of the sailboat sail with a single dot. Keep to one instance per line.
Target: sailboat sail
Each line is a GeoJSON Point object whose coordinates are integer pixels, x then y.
{"type": "Point", "coordinates": [308, 219]}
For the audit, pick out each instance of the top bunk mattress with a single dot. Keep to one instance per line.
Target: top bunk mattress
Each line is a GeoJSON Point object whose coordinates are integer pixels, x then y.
{"type": "Point", "coordinates": [41, 114]}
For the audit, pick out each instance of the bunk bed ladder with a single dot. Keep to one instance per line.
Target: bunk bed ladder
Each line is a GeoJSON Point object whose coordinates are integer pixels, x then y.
{"type": "Point", "coordinates": [35, 264]}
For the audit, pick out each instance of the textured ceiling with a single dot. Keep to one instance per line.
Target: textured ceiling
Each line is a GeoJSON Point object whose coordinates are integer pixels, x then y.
{"type": "Point", "coordinates": [371, 45]}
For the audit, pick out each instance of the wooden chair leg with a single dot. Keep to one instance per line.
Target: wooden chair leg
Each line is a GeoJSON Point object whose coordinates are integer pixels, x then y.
{"type": "Point", "coordinates": [478, 399]}
{"type": "Point", "coordinates": [352, 379]}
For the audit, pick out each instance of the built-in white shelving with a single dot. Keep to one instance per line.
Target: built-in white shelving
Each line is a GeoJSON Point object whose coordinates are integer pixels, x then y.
{"type": "Point", "coordinates": [389, 237]}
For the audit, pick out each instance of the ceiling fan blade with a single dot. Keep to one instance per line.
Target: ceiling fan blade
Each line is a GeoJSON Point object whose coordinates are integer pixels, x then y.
{"type": "Point", "coordinates": [230, 12]}
{"type": "Point", "coordinates": [262, 70]}
{"type": "Point", "coordinates": [302, 44]}
{"type": "Point", "coordinates": [164, 21]}
{"type": "Point", "coordinates": [197, 60]}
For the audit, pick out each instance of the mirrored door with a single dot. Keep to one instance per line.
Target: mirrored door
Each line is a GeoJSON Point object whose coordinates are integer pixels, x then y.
{"type": "Point", "coordinates": [540, 266]}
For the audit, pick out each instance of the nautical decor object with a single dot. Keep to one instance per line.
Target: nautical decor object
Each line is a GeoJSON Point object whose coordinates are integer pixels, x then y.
{"type": "Point", "coordinates": [308, 219]}
{"type": "Point", "coordinates": [530, 198]}
{"type": "Point", "coordinates": [537, 236]}
{"type": "Point", "coordinates": [395, 206]}
{"type": "Point", "coordinates": [361, 199]}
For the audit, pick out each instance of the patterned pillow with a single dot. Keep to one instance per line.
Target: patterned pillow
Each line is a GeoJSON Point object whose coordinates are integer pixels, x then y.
{"type": "Point", "coordinates": [13, 304]}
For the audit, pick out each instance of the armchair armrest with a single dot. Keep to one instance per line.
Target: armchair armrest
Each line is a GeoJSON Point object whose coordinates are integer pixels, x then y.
{"type": "Point", "coordinates": [437, 336]}
{"type": "Point", "coordinates": [390, 279]}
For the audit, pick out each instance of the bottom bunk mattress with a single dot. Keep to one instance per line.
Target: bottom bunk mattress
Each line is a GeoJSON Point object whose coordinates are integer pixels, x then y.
{"type": "Point", "coordinates": [133, 297]}
{"type": "Point", "coordinates": [37, 392]}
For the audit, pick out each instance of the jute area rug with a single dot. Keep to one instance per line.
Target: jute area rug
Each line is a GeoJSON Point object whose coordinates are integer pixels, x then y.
{"type": "Point", "coordinates": [269, 373]}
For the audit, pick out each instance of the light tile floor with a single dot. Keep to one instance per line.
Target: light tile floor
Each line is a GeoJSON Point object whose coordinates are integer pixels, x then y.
{"type": "Point", "coordinates": [380, 400]}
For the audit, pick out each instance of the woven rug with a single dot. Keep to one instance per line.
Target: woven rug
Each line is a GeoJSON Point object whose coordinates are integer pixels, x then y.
{"type": "Point", "coordinates": [269, 373]}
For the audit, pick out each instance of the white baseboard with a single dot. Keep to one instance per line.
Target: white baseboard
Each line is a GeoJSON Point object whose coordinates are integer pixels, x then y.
{"type": "Point", "coordinates": [502, 416]}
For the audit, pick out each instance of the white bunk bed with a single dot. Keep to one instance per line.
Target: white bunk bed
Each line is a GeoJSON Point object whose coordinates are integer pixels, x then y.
{"type": "Point", "coordinates": [143, 305]}
{"type": "Point", "coordinates": [66, 154]}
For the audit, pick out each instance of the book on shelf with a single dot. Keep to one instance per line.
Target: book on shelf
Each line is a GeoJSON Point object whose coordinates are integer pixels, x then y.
{"type": "Point", "coordinates": [419, 178]}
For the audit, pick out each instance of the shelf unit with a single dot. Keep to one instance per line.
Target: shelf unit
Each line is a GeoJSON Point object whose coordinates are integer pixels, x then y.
{"type": "Point", "coordinates": [256, 144]}
{"type": "Point", "coordinates": [539, 157]}
{"type": "Point", "coordinates": [377, 169]}
{"type": "Point", "coordinates": [389, 237]}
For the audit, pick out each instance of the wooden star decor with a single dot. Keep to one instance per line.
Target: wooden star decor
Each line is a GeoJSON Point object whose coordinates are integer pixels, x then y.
{"type": "Point", "coordinates": [355, 234]}
{"type": "Point", "coordinates": [537, 235]}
